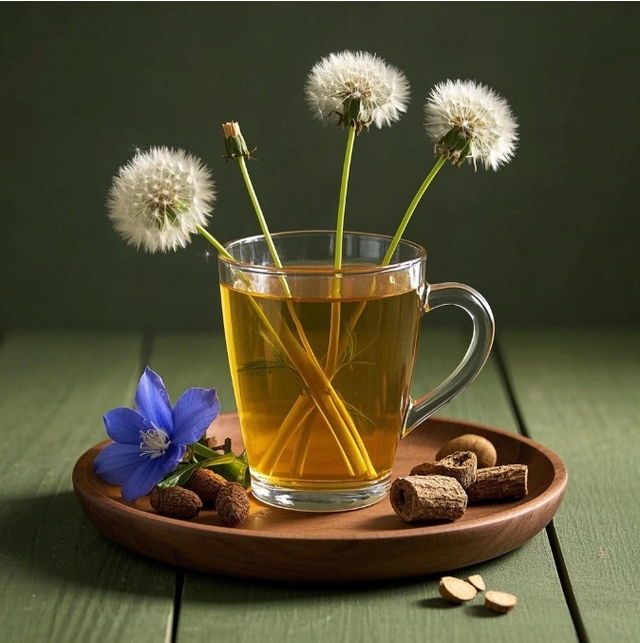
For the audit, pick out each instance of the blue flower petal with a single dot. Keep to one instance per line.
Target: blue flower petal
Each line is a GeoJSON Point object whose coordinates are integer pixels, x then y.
{"type": "Point", "coordinates": [116, 462]}
{"type": "Point", "coordinates": [172, 457]}
{"type": "Point", "coordinates": [152, 400]}
{"type": "Point", "coordinates": [143, 479]}
{"type": "Point", "coordinates": [124, 425]}
{"type": "Point", "coordinates": [196, 409]}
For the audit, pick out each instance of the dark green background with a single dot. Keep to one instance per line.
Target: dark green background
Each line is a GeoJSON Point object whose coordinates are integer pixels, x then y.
{"type": "Point", "coordinates": [552, 238]}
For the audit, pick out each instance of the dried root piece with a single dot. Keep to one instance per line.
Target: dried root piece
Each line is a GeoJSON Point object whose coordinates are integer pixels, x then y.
{"type": "Point", "coordinates": [461, 465]}
{"type": "Point", "coordinates": [478, 582]}
{"type": "Point", "coordinates": [232, 504]}
{"type": "Point", "coordinates": [499, 601]}
{"type": "Point", "coordinates": [456, 590]}
{"type": "Point", "coordinates": [175, 502]}
{"type": "Point", "coordinates": [206, 484]}
{"type": "Point", "coordinates": [483, 448]}
{"type": "Point", "coordinates": [433, 497]}
{"type": "Point", "coordinates": [498, 483]}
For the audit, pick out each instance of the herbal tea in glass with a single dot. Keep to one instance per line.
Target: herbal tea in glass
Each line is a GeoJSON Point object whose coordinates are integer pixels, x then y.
{"type": "Point", "coordinates": [322, 362]}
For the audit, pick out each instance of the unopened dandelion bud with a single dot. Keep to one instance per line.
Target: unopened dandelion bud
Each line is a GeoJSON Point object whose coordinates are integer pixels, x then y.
{"type": "Point", "coordinates": [234, 141]}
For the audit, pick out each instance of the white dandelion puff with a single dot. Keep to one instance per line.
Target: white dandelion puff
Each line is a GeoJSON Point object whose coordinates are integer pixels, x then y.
{"type": "Point", "coordinates": [358, 88]}
{"type": "Point", "coordinates": [470, 120]}
{"type": "Point", "coordinates": [160, 198]}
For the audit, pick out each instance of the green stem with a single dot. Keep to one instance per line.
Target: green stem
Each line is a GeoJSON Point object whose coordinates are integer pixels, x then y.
{"type": "Point", "coordinates": [261, 218]}
{"type": "Point", "coordinates": [342, 203]}
{"type": "Point", "coordinates": [410, 210]}
{"type": "Point", "coordinates": [334, 328]}
{"type": "Point", "coordinates": [205, 451]}
{"type": "Point", "coordinates": [332, 349]}
{"type": "Point", "coordinates": [213, 241]}
{"type": "Point", "coordinates": [262, 221]}
{"type": "Point", "coordinates": [301, 357]}
{"type": "Point", "coordinates": [336, 347]}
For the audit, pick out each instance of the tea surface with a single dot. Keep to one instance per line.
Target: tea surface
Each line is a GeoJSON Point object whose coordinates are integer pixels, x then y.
{"type": "Point", "coordinates": [377, 345]}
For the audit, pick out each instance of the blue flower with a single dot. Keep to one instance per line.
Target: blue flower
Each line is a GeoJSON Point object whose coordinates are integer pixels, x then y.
{"type": "Point", "coordinates": [151, 441]}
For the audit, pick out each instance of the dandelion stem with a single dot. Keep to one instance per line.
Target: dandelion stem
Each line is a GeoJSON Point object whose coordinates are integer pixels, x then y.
{"type": "Point", "coordinates": [301, 408]}
{"type": "Point", "coordinates": [302, 357]}
{"type": "Point", "coordinates": [213, 241]}
{"type": "Point", "coordinates": [263, 222]}
{"type": "Point", "coordinates": [332, 350]}
{"type": "Point", "coordinates": [342, 203]}
{"type": "Point", "coordinates": [334, 329]}
{"type": "Point", "coordinates": [411, 209]}
{"type": "Point", "coordinates": [256, 206]}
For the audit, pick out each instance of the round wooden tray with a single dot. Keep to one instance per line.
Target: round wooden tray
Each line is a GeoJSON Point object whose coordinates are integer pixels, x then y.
{"type": "Point", "coordinates": [365, 544]}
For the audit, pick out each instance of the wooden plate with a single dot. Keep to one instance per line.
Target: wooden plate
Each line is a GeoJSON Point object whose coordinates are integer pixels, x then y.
{"type": "Point", "coordinates": [370, 543]}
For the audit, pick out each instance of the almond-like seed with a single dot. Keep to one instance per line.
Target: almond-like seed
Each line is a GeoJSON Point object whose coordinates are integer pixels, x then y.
{"type": "Point", "coordinates": [478, 582]}
{"type": "Point", "coordinates": [483, 448]}
{"type": "Point", "coordinates": [456, 590]}
{"type": "Point", "coordinates": [499, 601]}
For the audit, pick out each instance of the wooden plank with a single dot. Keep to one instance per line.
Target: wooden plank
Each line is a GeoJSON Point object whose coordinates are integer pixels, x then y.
{"type": "Point", "coordinates": [484, 401]}
{"type": "Point", "coordinates": [579, 395]}
{"type": "Point", "coordinates": [61, 579]}
{"type": "Point", "coordinates": [245, 610]}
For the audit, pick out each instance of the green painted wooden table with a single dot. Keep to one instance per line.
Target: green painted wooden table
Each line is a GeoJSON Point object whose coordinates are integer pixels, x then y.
{"type": "Point", "coordinates": [575, 391]}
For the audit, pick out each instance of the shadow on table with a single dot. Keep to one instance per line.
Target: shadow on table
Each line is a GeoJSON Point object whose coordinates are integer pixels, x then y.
{"type": "Point", "coordinates": [49, 536]}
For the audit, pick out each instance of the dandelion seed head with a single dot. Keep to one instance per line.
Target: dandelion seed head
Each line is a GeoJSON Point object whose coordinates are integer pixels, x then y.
{"type": "Point", "coordinates": [357, 86]}
{"type": "Point", "coordinates": [158, 200]}
{"type": "Point", "coordinates": [477, 115]}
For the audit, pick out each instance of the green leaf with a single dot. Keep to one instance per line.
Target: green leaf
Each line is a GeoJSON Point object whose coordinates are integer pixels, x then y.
{"type": "Point", "coordinates": [179, 476]}
{"type": "Point", "coordinates": [230, 466]}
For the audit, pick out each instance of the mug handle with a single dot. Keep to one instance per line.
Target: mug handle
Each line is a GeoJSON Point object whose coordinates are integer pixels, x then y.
{"type": "Point", "coordinates": [477, 307]}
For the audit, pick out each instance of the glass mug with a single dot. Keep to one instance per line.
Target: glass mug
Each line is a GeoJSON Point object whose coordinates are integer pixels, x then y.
{"type": "Point", "coordinates": [322, 361]}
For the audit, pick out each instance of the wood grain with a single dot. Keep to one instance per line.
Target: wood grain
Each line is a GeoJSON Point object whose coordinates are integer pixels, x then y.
{"type": "Point", "coordinates": [409, 610]}
{"type": "Point", "coordinates": [579, 391]}
{"type": "Point", "coordinates": [61, 580]}
{"type": "Point", "coordinates": [57, 566]}
{"type": "Point", "coordinates": [366, 544]}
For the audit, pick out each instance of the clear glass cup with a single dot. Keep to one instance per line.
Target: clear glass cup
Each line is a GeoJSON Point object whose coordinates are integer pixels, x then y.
{"type": "Point", "coordinates": [322, 361]}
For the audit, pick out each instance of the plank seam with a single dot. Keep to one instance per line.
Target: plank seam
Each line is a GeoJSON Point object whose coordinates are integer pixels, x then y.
{"type": "Point", "coordinates": [513, 402]}
{"type": "Point", "coordinates": [554, 543]}
{"type": "Point", "coordinates": [177, 604]}
{"type": "Point", "coordinates": [146, 350]}
{"type": "Point", "coordinates": [565, 583]}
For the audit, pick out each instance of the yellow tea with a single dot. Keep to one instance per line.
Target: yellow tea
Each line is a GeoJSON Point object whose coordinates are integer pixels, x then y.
{"type": "Point", "coordinates": [289, 441]}
{"type": "Point", "coordinates": [322, 359]}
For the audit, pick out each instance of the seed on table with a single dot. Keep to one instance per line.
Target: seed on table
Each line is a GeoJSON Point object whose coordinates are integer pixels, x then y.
{"type": "Point", "coordinates": [456, 590]}
{"type": "Point", "coordinates": [478, 582]}
{"type": "Point", "coordinates": [499, 601]}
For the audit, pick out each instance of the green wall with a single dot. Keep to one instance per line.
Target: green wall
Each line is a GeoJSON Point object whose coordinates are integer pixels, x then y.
{"type": "Point", "coordinates": [551, 238]}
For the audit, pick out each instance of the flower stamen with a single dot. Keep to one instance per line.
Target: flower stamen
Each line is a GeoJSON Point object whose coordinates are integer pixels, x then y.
{"type": "Point", "coordinates": [155, 443]}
